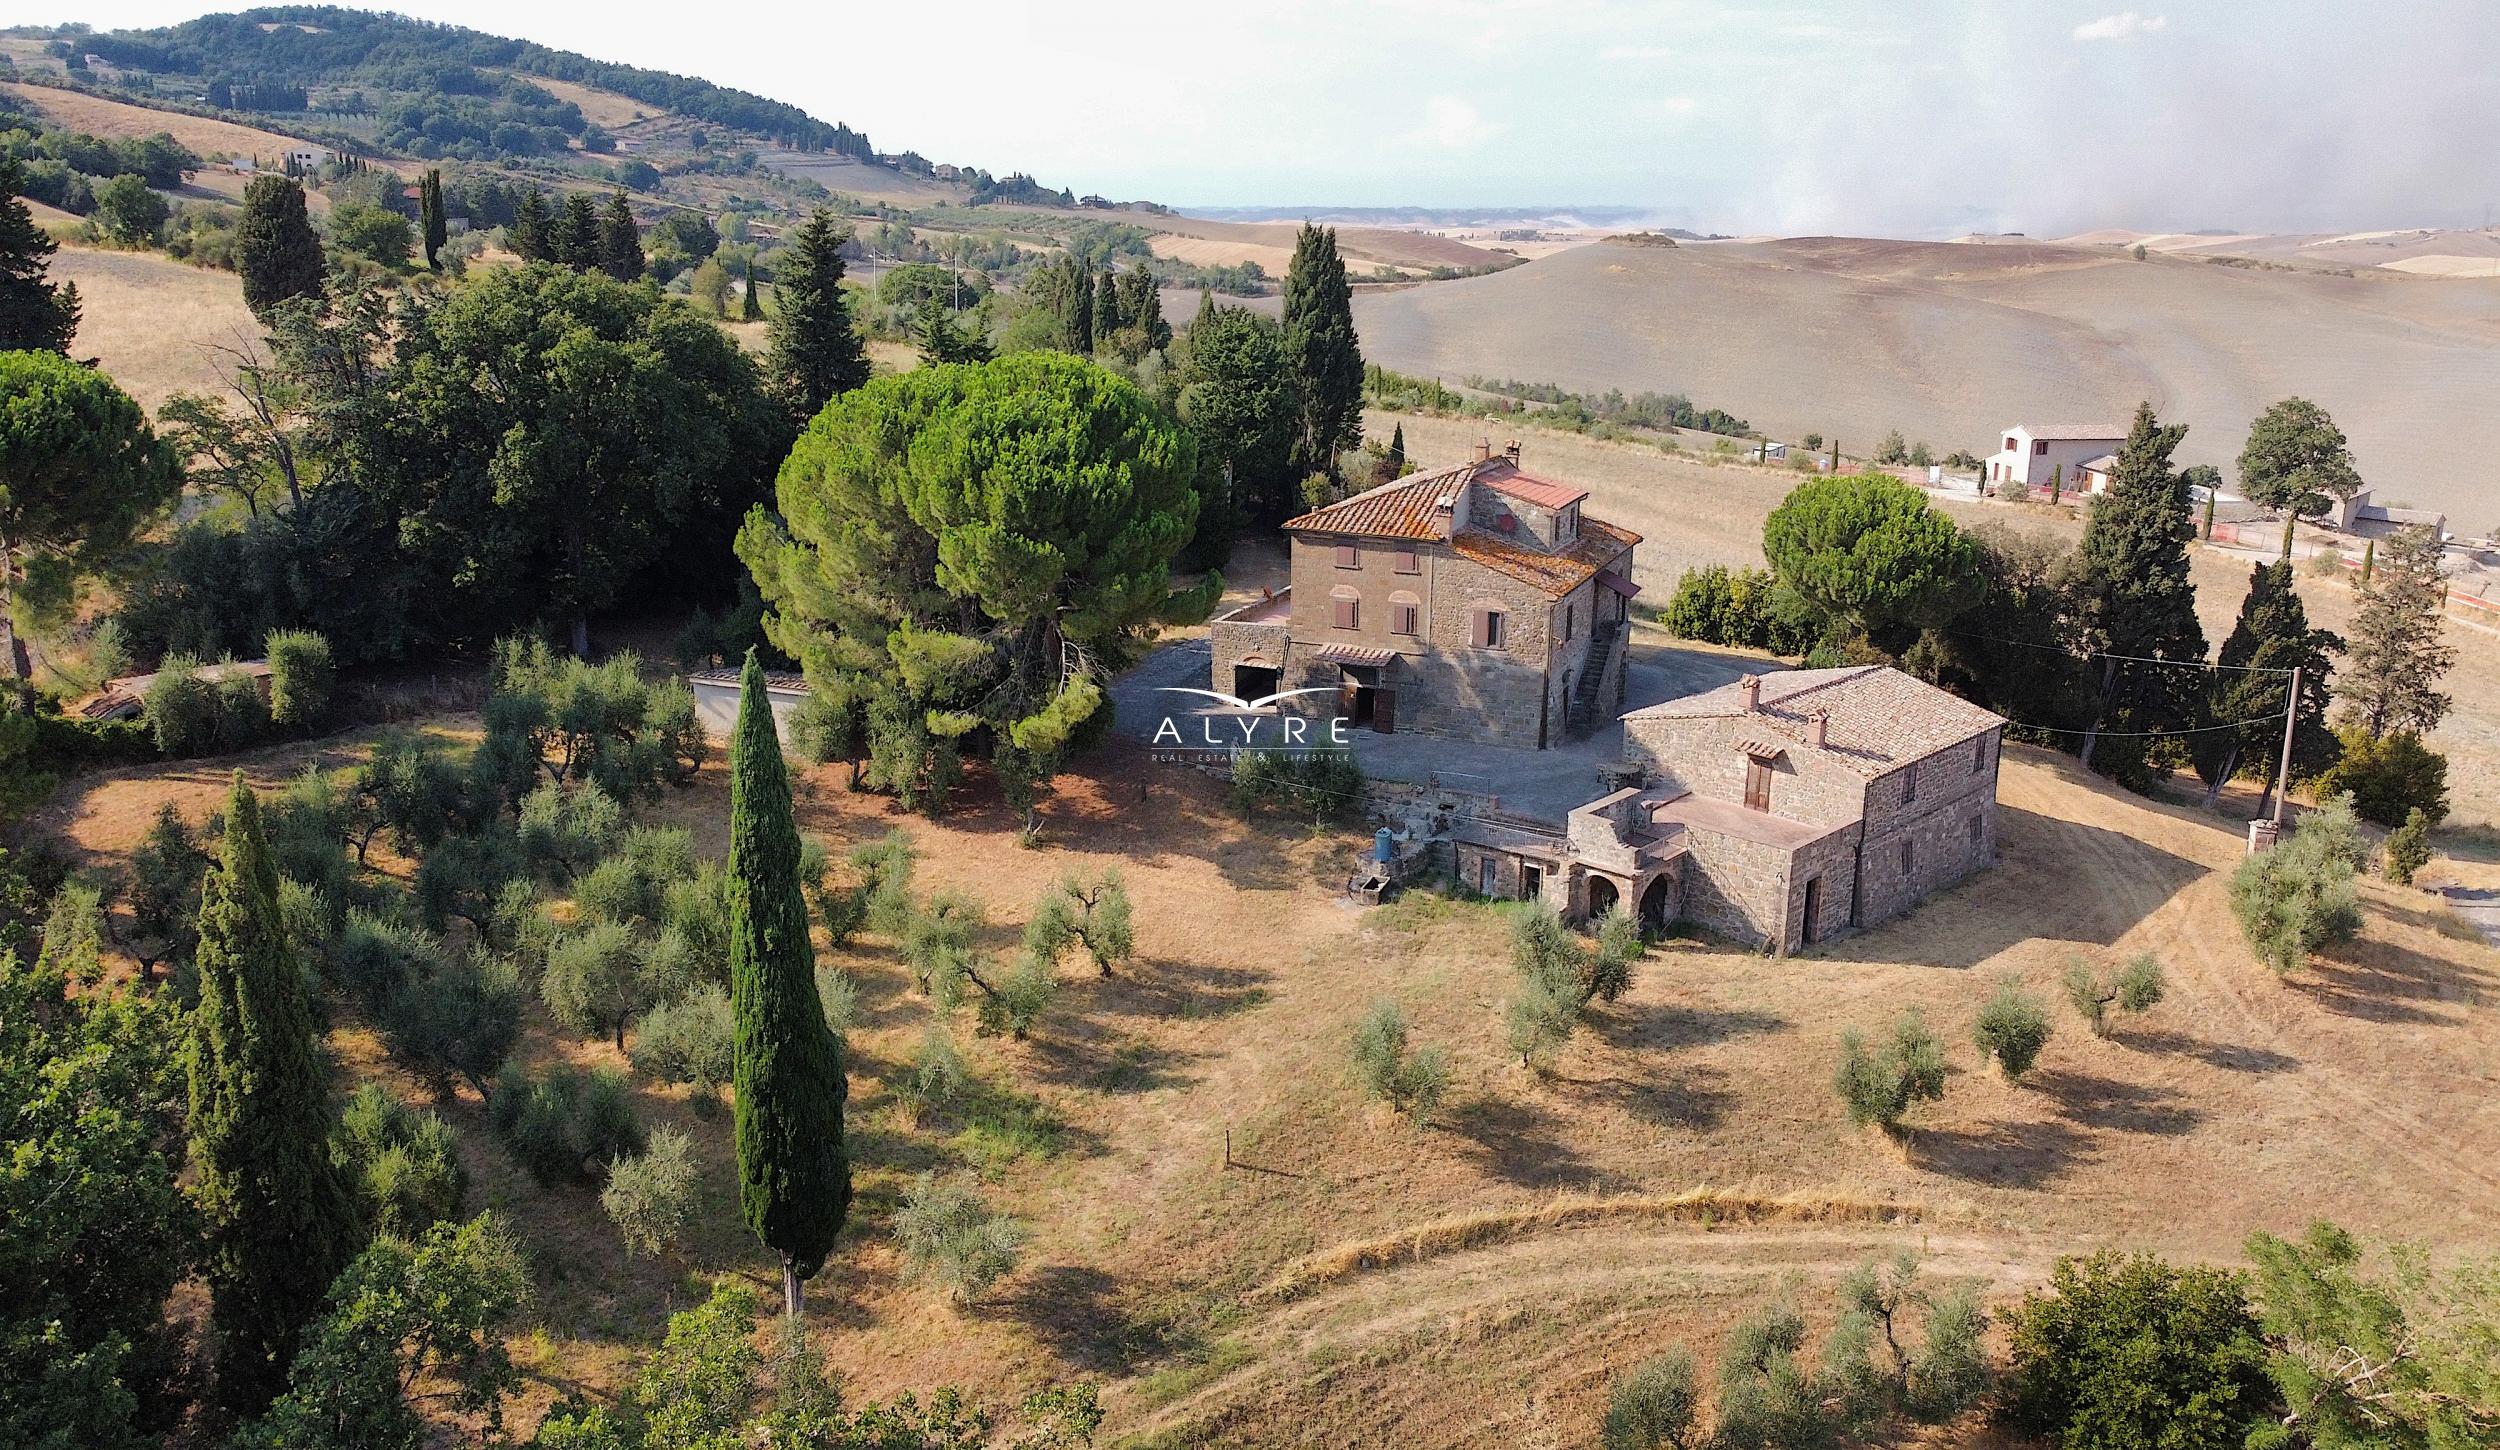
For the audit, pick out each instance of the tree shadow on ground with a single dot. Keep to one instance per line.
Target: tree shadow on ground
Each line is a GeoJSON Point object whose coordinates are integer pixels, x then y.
{"type": "Point", "coordinates": [2383, 981]}
{"type": "Point", "coordinates": [1695, 1098]}
{"type": "Point", "coordinates": [1678, 1025]}
{"type": "Point", "coordinates": [1091, 1054]}
{"type": "Point", "coordinates": [2040, 857]}
{"type": "Point", "coordinates": [2121, 1107]}
{"type": "Point", "coordinates": [2008, 1155]}
{"type": "Point", "coordinates": [1180, 991]}
{"type": "Point", "coordinates": [2229, 1056]}
{"type": "Point", "coordinates": [1075, 1310]}
{"type": "Point", "coordinates": [1518, 1142]}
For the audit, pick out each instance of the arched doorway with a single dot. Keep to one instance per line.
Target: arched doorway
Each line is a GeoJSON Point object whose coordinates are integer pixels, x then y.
{"type": "Point", "coordinates": [1654, 905]}
{"type": "Point", "coordinates": [1602, 896]}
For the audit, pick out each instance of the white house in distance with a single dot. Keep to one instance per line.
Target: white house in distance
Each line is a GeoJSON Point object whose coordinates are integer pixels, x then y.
{"type": "Point", "coordinates": [2035, 452]}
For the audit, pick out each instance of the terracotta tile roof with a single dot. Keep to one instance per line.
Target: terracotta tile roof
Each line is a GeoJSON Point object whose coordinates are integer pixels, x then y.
{"type": "Point", "coordinates": [787, 681]}
{"type": "Point", "coordinates": [1505, 477]}
{"type": "Point", "coordinates": [1400, 510]}
{"type": "Point", "coordinates": [1599, 545]}
{"type": "Point", "coordinates": [1878, 718]}
{"type": "Point", "coordinates": [1356, 654]}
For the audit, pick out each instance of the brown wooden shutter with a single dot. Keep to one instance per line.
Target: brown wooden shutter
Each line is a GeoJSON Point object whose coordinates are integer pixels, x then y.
{"type": "Point", "coordinates": [1345, 612]}
{"type": "Point", "coordinates": [1479, 627]}
{"type": "Point", "coordinates": [1347, 558]}
{"type": "Point", "coordinates": [1407, 563]}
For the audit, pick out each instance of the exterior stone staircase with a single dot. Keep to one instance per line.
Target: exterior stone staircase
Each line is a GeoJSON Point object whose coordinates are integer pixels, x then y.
{"type": "Point", "coordinates": [1593, 690]}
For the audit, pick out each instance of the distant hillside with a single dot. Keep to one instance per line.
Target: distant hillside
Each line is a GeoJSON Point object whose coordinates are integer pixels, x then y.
{"type": "Point", "coordinates": [1948, 343]}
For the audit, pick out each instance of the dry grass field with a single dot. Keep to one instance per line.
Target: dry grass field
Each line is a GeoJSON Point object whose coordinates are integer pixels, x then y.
{"type": "Point", "coordinates": [1224, 252]}
{"type": "Point", "coordinates": [601, 108]}
{"type": "Point", "coordinates": [1352, 1281]}
{"type": "Point", "coordinates": [1947, 343]}
{"type": "Point", "coordinates": [145, 317]}
{"type": "Point", "coordinates": [1692, 511]}
{"type": "Point", "coordinates": [101, 117]}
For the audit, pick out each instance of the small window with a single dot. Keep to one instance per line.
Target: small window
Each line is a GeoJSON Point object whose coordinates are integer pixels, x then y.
{"type": "Point", "coordinates": [1407, 563]}
{"type": "Point", "coordinates": [1349, 557]}
{"type": "Point", "coordinates": [1909, 856]}
{"type": "Point", "coordinates": [1348, 611]}
{"type": "Point", "coordinates": [2040, 449]}
{"type": "Point", "coordinates": [1909, 784]}
{"type": "Point", "coordinates": [1493, 621]}
{"type": "Point", "coordinates": [1974, 829]}
{"type": "Point", "coordinates": [2011, 445]}
{"type": "Point", "coordinates": [1405, 619]}
{"type": "Point", "coordinates": [1484, 628]}
{"type": "Point", "coordinates": [1979, 756]}
{"type": "Point", "coordinates": [1757, 785]}
{"type": "Point", "coordinates": [1569, 612]}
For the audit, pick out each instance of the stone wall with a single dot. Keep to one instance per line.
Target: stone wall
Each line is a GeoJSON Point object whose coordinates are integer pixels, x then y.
{"type": "Point", "coordinates": [1950, 835]}
{"type": "Point", "coordinates": [1701, 756]}
{"type": "Point", "coordinates": [1833, 861]}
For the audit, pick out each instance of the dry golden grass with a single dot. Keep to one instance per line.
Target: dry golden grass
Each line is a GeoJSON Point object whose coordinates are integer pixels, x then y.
{"type": "Point", "coordinates": [601, 108]}
{"type": "Point", "coordinates": [99, 116]}
{"type": "Point", "coordinates": [1350, 1280]}
{"type": "Point", "coordinates": [1224, 252]}
{"type": "Point", "coordinates": [145, 318]}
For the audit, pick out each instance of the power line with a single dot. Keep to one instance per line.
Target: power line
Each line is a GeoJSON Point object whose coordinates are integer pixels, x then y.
{"type": "Point", "coordinates": [2107, 655]}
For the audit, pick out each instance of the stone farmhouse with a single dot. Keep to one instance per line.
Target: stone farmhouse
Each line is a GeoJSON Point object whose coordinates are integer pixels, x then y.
{"type": "Point", "coordinates": [1475, 601]}
{"type": "Point", "coordinates": [1777, 811]}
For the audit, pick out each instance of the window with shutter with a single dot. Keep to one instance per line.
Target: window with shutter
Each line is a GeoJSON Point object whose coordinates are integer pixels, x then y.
{"type": "Point", "coordinates": [1475, 627]}
{"type": "Point", "coordinates": [1909, 784]}
{"type": "Point", "coordinates": [1347, 612]}
{"type": "Point", "coordinates": [1570, 611]}
{"type": "Point", "coordinates": [1407, 563]}
{"type": "Point", "coordinates": [1979, 756]}
{"type": "Point", "coordinates": [1348, 556]}
{"type": "Point", "coordinates": [1757, 785]}
{"type": "Point", "coordinates": [1403, 619]}
{"type": "Point", "coordinates": [1493, 628]}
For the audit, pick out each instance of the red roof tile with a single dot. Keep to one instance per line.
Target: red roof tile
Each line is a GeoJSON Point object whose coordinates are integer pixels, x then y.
{"type": "Point", "coordinates": [1505, 477]}
{"type": "Point", "coordinates": [1404, 509]}
{"type": "Point", "coordinates": [1598, 547]}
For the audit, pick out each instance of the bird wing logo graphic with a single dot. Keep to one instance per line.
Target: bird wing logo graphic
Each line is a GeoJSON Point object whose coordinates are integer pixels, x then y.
{"type": "Point", "coordinates": [1235, 702]}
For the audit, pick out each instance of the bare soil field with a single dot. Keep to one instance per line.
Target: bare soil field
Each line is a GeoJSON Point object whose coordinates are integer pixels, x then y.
{"type": "Point", "coordinates": [145, 316]}
{"type": "Point", "coordinates": [1948, 343]}
{"type": "Point", "coordinates": [1224, 252]}
{"type": "Point", "coordinates": [1342, 1279]}
{"type": "Point", "coordinates": [1692, 511]}
{"type": "Point", "coordinates": [1387, 245]}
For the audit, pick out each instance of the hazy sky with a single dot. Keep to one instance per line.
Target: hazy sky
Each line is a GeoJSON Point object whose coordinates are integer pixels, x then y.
{"type": "Point", "coordinates": [1893, 117]}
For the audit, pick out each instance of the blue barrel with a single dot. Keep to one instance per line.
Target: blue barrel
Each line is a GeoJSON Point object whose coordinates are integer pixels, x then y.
{"type": "Point", "coordinates": [1384, 846]}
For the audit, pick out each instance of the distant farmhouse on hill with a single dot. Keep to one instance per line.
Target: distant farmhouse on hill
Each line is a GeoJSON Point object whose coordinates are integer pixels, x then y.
{"type": "Point", "coordinates": [1475, 601]}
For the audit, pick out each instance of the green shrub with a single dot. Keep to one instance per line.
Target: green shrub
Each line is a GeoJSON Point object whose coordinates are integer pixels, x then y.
{"type": "Point", "coordinates": [1656, 1406]}
{"type": "Point", "coordinates": [649, 1195]}
{"type": "Point", "coordinates": [2388, 777]}
{"type": "Point", "coordinates": [937, 1075]}
{"type": "Point", "coordinates": [2132, 988]}
{"type": "Point", "coordinates": [2299, 897]}
{"type": "Point", "coordinates": [2409, 847]}
{"type": "Point", "coordinates": [565, 831]}
{"type": "Point", "coordinates": [2133, 1354]}
{"type": "Point", "coordinates": [401, 1160]}
{"type": "Point", "coordinates": [1410, 1082]}
{"type": "Point", "coordinates": [839, 997]}
{"type": "Point", "coordinates": [460, 1021]}
{"type": "Point", "coordinates": [691, 1040]}
{"type": "Point", "coordinates": [300, 677]}
{"type": "Point", "coordinates": [1015, 1003]}
{"type": "Point", "coordinates": [2012, 1028]}
{"type": "Point", "coordinates": [181, 708]}
{"type": "Point", "coordinates": [564, 1125]}
{"type": "Point", "coordinates": [950, 1236]}
{"type": "Point", "coordinates": [1878, 1086]}
{"type": "Point", "coordinates": [1322, 784]}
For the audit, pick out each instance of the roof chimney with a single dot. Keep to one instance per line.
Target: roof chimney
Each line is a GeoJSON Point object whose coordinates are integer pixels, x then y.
{"type": "Point", "coordinates": [1445, 515]}
{"type": "Point", "coordinates": [1510, 451]}
{"type": "Point", "coordinates": [1484, 450]}
{"type": "Point", "coordinates": [1818, 729]}
{"type": "Point", "coordinates": [1750, 689]}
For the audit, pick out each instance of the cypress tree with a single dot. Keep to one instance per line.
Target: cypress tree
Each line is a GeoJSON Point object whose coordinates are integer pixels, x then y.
{"type": "Point", "coordinates": [35, 315]}
{"type": "Point", "coordinates": [579, 233]}
{"type": "Point", "coordinates": [1107, 318]}
{"type": "Point", "coordinates": [794, 1180]}
{"type": "Point", "coordinates": [1397, 450]}
{"type": "Point", "coordinates": [620, 242]}
{"type": "Point", "coordinates": [275, 247]}
{"type": "Point", "coordinates": [2272, 635]}
{"type": "Point", "coordinates": [2132, 585]}
{"type": "Point", "coordinates": [1080, 304]}
{"type": "Point", "coordinates": [813, 352]}
{"type": "Point", "coordinates": [750, 309]}
{"type": "Point", "coordinates": [436, 227]}
{"type": "Point", "coordinates": [1322, 350]}
{"type": "Point", "coordinates": [2399, 651]}
{"type": "Point", "coordinates": [527, 236]}
{"type": "Point", "coordinates": [275, 1212]}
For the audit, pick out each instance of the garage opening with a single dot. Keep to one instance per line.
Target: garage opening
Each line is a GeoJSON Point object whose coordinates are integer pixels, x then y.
{"type": "Point", "coordinates": [1602, 896]}
{"type": "Point", "coordinates": [1654, 906]}
{"type": "Point", "coordinates": [1255, 682]}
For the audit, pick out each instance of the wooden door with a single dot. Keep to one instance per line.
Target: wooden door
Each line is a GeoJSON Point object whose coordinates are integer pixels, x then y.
{"type": "Point", "coordinates": [1384, 711]}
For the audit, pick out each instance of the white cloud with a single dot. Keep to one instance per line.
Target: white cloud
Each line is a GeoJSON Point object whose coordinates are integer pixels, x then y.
{"type": "Point", "coordinates": [1635, 52]}
{"type": "Point", "coordinates": [1676, 105]}
{"type": "Point", "coordinates": [1453, 125]}
{"type": "Point", "coordinates": [2125, 25]}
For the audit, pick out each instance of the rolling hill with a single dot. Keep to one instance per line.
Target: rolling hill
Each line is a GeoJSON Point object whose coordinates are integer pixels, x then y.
{"type": "Point", "coordinates": [1949, 342]}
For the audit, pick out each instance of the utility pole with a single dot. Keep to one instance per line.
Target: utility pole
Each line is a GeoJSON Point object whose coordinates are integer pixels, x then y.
{"type": "Point", "coordinates": [2283, 773]}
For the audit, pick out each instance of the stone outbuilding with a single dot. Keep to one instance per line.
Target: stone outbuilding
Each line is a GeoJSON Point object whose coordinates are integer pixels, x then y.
{"type": "Point", "coordinates": [1474, 601]}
